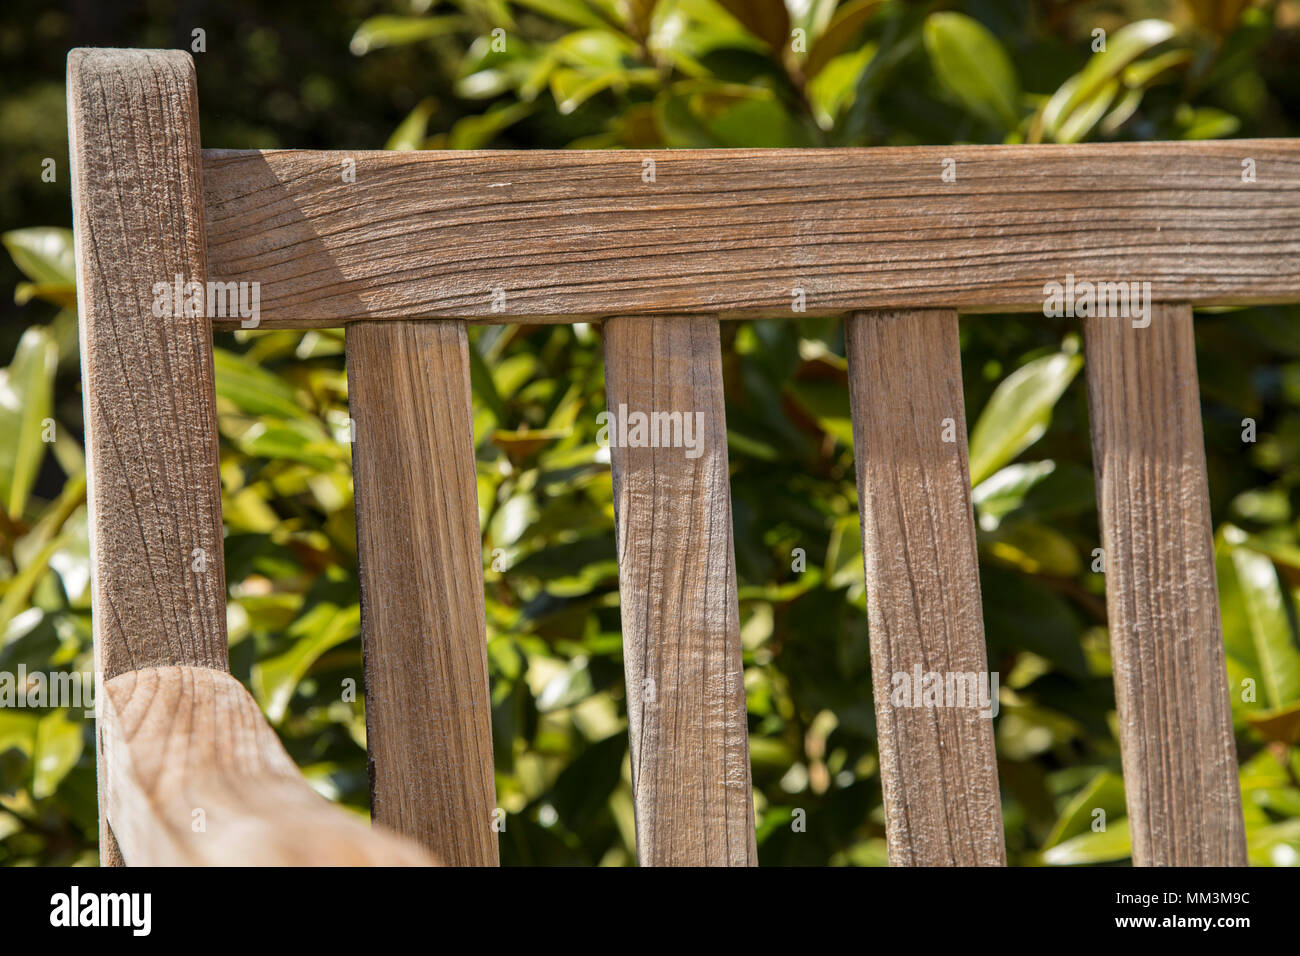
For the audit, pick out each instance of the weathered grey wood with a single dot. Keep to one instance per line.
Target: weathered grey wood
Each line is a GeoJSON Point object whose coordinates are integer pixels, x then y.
{"type": "Point", "coordinates": [151, 435]}
{"type": "Point", "coordinates": [428, 724]}
{"type": "Point", "coordinates": [937, 764]}
{"type": "Point", "coordinates": [198, 778]}
{"type": "Point", "coordinates": [677, 583]}
{"type": "Point", "coordinates": [566, 234]}
{"type": "Point", "coordinates": [1166, 638]}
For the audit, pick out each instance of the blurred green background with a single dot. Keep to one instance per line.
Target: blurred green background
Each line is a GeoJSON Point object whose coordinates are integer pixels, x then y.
{"type": "Point", "coordinates": [413, 74]}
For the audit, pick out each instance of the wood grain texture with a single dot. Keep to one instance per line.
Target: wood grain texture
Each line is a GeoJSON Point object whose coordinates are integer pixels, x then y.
{"type": "Point", "coordinates": [151, 429]}
{"type": "Point", "coordinates": [937, 764]}
{"type": "Point", "coordinates": [154, 501]}
{"type": "Point", "coordinates": [196, 777]}
{"type": "Point", "coordinates": [574, 233]}
{"type": "Point", "coordinates": [428, 718]}
{"type": "Point", "coordinates": [1166, 638]}
{"type": "Point", "coordinates": [687, 723]}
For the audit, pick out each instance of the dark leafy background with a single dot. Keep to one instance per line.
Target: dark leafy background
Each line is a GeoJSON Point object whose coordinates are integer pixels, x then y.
{"type": "Point", "coordinates": [640, 73]}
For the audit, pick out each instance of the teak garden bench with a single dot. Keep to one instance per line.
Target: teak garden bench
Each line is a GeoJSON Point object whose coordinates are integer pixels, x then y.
{"type": "Point", "coordinates": [413, 245]}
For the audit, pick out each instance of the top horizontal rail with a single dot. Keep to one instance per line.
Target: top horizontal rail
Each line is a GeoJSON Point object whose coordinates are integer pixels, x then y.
{"type": "Point", "coordinates": [496, 236]}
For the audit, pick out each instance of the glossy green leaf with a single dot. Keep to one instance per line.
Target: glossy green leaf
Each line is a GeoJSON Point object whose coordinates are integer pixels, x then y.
{"type": "Point", "coordinates": [1258, 637]}
{"type": "Point", "coordinates": [59, 743]}
{"type": "Point", "coordinates": [844, 561]}
{"type": "Point", "coordinates": [1023, 614]}
{"type": "Point", "coordinates": [411, 131]}
{"type": "Point", "coordinates": [26, 401]}
{"type": "Point", "coordinates": [840, 33]}
{"type": "Point", "coordinates": [1104, 792]}
{"type": "Point", "coordinates": [827, 400]}
{"type": "Point", "coordinates": [835, 86]}
{"type": "Point", "coordinates": [1205, 122]}
{"type": "Point", "coordinates": [1275, 845]}
{"type": "Point", "coordinates": [254, 389]}
{"type": "Point", "coordinates": [1088, 113]}
{"type": "Point", "coordinates": [1105, 67]}
{"type": "Point", "coordinates": [973, 67]}
{"type": "Point", "coordinates": [62, 294]}
{"type": "Point", "coordinates": [1019, 412]}
{"type": "Point", "coordinates": [571, 685]}
{"type": "Point", "coordinates": [1004, 492]}
{"type": "Point", "coordinates": [478, 132]}
{"type": "Point", "coordinates": [1108, 846]}
{"type": "Point", "coordinates": [595, 51]}
{"type": "Point", "coordinates": [759, 123]}
{"type": "Point", "coordinates": [386, 30]}
{"type": "Point", "coordinates": [1145, 72]}
{"type": "Point", "coordinates": [1121, 112]}
{"type": "Point", "coordinates": [325, 626]}
{"type": "Point", "coordinates": [18, 730]}
{"type": "Point", "coordinates": [44, 254]}
{"type": "Point", "coordinates": [571, 88]}
{"type": "Point", "coordinates": [586, 785]}
{"type": "Point", "coordinates": [1033, 548]}
{"type": "Point", "coordinates": [575, 12]}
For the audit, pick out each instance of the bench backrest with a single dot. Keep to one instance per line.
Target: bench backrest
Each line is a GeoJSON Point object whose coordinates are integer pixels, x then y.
{"type": "Point", "coordinates": [660, 246]}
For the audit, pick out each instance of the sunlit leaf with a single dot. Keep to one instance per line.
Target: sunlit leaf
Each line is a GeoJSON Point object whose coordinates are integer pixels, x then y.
{"type": "Point", "coordinates": [44, 254]}
{"type": "Point", "coordinates": [1033, 548]}
{"type": "Point", "coordinates": [568, 687]}
{"type": "Point", "coordinates": [1104, 68]}
{"type": "Point", "coordinates": [59, 743]}
{"type": "Point", "coordinates": [571, 88]}
{"type": "Point", "coordinates": [575, 12]}
{"type": "Point", "coordinates": [972, 65]}
{"type": "Point", "coordinates": [1108, 846]}
{"type": "Point", "coordinates": [1005, 491]}
{"type": "Point", "coordinates": [1205, 122]}
{"type": "Point", "coordinates": [411, 131]}
{"type": "Point", "coordinates": [386, 30]}
{"type": "Point", "coordinates": [1088, 113]}
{"type": "Point", "coordinates": [835, 86]}
{"type": "Point", "coordinates": [18, 730]}
{"type": "Point", "coordinates": [26, 400]}
{"type": "Point", "coordinates": [1019, 412]}
{"type": "Point", "coordinates": [840, 33]}
{"type": "Point", "coordinates": [1258, 637]}
{"type": "Point", "coordinates": [844, 563]}
{"type": "Point", "coordinates": [1104, 792]}
{"type": "Point", "coordinates": [758, 123]}
{"type": "Point", "coordinates": [477, 132]}
{"type": "Point", "coordinates": [325, 626]}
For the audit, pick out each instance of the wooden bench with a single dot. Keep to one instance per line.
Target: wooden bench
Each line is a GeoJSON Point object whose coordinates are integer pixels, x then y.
{"type": "Point", "coordinates": [416, 244]}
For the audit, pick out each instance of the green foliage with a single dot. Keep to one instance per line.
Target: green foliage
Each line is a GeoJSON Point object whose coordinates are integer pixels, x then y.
{"type": "Point", "coordinates": [974, 68]}
{"type": "Point", "coordinates": [676, 73]}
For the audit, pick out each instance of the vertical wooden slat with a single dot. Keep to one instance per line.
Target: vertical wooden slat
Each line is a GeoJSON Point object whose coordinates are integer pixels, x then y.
{"type": "Point", "coordinates": [153, 494]}
{"type": "Point", "coordinates": [1180, 763]}
{"type": "Point", "coordinates": [677, 583]}
{"type": "Point", "coordinates": [923, 595]}
{"type": "Point", "coordinates": [428, 722]}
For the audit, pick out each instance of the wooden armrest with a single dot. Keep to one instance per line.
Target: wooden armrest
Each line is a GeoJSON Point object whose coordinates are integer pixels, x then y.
{"type": "Point", "coordinates": [196, 777]}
